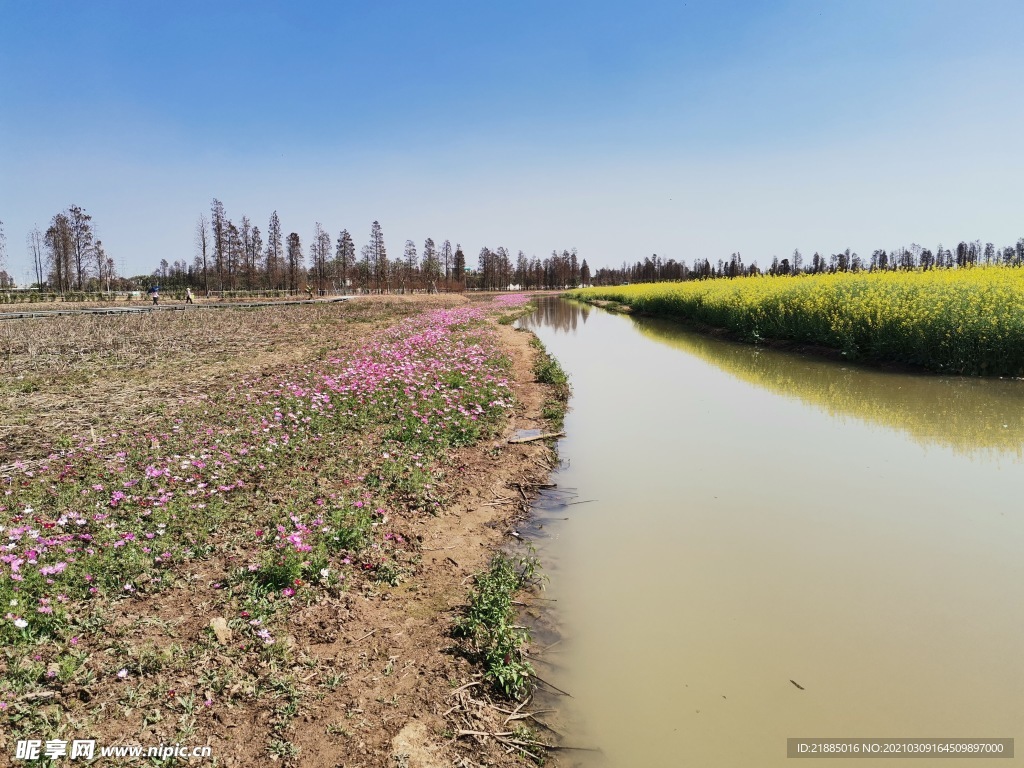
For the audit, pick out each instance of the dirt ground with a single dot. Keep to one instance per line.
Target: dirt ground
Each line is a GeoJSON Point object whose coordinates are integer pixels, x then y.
{"type": "Point", "coordinates": [371, 676]}
{"type": "Point", "coordinates": [67, 375]}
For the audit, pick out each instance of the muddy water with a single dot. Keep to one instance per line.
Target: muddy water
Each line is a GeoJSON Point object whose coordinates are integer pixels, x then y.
{"type": "Point", "coordinates": [753, 518]}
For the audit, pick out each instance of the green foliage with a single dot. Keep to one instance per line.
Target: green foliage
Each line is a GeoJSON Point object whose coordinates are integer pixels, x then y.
{"type": "Point", "coordinates": [548, 371]}
{"type": "Point", "coordinates": [350, 528]}
{"type": "Point", "coordinates": [546, 368]}
{"type": "Point", "coordinates": [279, 569]}
{"type": "Point", "coordinates": [489, 623]}
{"type": "Point", "coordinates": [388, 572]}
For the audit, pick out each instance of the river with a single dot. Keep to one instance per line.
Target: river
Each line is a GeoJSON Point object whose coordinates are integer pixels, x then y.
{"type": "Point", "coordinates": [747, 521]}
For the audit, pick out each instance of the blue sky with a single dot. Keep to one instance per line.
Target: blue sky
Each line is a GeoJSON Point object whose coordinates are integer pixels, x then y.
{"type": "Point", "coordinates": [688, 130]}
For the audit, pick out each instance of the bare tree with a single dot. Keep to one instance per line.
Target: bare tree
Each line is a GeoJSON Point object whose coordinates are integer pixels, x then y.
{"type": "Point", "coordinates": [3, 248]}
{"type": "Point", "coordinates": [99, 257]}
{"type": "Point", "coordinates": [111, 271]}
{"type": "Point", "coordinates": [203, 244]}
{"type": "Point", "coordinates": [60, 252]}
{"type": "Point", "coordinates": [6, 280]}
{"type": "Point", "coordinates": [234, 254]}
{"type": "Point", "coordinates": [80, 224]}
{"type": "Point", "coordinates": [35, 250]}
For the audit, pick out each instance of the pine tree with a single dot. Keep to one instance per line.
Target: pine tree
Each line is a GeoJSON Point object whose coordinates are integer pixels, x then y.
{"type": "Point", "coordinates": [366, 268]}
{"type": "Point", "coordinates": [245, 238]}
{"type": "Point", "coordinates": [459, 265]}
{"type": "Point", "coordinates": [446, 259]}
{"type": "Point", "coordinates": [408, 270]}
{"type": "Point", "coordinates": [218, 228]}
{"type": "Point", "coordinates": [275, 254]}
{"type": "Point", "coordinates": [253, 257]}
{"type": "Point", "coordinates": [344, 258]}
{"type": "Point", "coordinates": [431, 267]}
{"type": "Point", "coordinates": [295, 261]}
{"type": "Point", "coordinates": [319, 252]}
{"type": "Point", "coordinates": [379, 255]}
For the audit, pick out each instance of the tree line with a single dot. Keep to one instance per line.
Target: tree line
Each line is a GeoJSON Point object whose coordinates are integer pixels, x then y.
{"type": "Point", "coordinates": [241, 256]}
{"type": "Point", "coordinates": [67, 256]}
{"type": "Point", "coordinates": [966, 254]}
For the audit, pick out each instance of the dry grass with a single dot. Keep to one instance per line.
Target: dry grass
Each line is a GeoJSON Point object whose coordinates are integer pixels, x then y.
{"type": "Point", "coordinates": [67, 374]}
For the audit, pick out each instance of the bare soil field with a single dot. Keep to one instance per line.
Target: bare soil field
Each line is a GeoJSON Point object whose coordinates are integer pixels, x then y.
{"type": "Point", "coordinates": [68, 374]}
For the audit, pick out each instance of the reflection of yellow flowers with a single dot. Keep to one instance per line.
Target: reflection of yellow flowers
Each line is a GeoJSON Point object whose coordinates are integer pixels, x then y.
{"type": "Point", "coordinates": [962, 320]}
{"type": "Point", "coordinates": [969, 416]}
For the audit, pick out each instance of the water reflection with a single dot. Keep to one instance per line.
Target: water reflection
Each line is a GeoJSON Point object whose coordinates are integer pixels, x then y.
{"type": "Point", "coordinates": [969, 415]}
{"type": "Point", "coordinates": [560, 315]}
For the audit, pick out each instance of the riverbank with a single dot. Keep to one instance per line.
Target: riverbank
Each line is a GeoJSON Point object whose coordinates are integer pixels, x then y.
{"type": "Point", "coordinates": [965, 321]}
{"type": "Point", "coordinates": [264, 553]}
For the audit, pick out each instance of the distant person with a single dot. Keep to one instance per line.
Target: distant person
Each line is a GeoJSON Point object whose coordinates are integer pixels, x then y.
{"type": "Point", "coordinates": [155, 293]}
{"type": "Point", "coordinates": [309, 291]}
{"type": "Point", "coordinates": [188, 296]}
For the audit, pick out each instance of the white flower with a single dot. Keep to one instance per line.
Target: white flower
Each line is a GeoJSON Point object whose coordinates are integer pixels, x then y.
{"type": "Point", "coordinates": [14, 602]}
{"type": "Point", "coordinates": [123, 673]}
{"type": "Point", "coordinates": [20, 623]}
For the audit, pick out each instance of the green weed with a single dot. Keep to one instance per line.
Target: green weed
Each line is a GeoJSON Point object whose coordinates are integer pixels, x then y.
{"type": "Point", "coordinates": [490, 625]}
{"type": "Point", "coordinates": [548, 371]}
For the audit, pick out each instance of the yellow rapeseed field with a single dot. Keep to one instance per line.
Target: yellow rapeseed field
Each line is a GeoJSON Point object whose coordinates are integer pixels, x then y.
{"type": "Point", "coordinates": [950, 320]}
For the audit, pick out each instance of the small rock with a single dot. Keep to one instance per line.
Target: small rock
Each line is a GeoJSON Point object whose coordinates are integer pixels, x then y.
{"type": "Point", "coordinates": [221, 630]}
